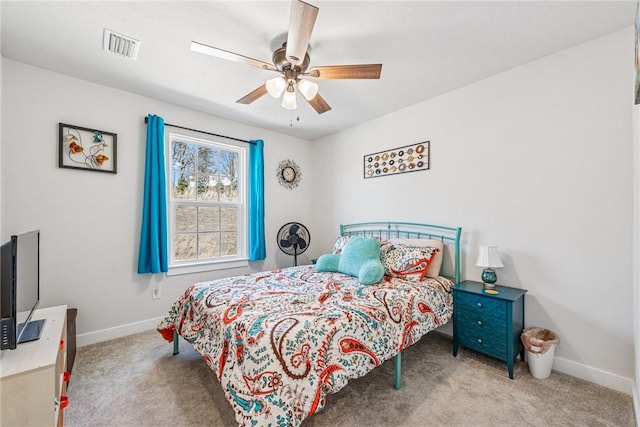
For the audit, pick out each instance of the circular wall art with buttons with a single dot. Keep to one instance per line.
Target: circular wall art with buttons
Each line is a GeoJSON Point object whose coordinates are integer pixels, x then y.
{"type": "Point", "coordinates": [289, 174]}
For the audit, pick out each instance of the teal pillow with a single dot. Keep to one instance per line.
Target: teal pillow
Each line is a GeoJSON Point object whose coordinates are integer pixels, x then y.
{"type": "Point", "coordinates": [328, 262]}
{"type": "Point", "coordinates": [359, 258]}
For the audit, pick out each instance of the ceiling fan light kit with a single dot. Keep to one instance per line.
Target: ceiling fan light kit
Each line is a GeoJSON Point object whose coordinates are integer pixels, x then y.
{"type": "Point", "coordinates": [292, 62]}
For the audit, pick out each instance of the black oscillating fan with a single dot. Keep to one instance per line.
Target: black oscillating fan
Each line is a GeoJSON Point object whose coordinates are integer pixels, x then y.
{"type": "Point", "coordinates": [293, 239]}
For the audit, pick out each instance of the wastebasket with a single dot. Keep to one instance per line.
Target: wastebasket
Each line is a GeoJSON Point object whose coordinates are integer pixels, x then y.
{"type": "Point", "coordinates": [540, 345]}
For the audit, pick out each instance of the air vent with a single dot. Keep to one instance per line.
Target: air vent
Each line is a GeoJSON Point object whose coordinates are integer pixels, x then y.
{"type": "Point", "coordinates": [120, 44]}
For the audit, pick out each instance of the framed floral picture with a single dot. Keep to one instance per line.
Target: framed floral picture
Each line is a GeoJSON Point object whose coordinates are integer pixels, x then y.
{"type": "Point", "coordinates": [88, 149]}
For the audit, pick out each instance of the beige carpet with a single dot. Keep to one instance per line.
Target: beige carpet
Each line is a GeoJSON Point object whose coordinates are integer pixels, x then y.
{"type": "Point", "coordinates": [136, 381]}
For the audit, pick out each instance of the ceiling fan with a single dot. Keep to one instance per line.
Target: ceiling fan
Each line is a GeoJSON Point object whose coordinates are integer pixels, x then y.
{"type": "Point", "coordinates": [291, 61]}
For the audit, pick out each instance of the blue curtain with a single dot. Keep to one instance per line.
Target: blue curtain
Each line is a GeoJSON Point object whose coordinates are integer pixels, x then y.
{"type": "Point", "coordinates": [257, 248]}
{"type": "Point", "coordinates": [152, 257]}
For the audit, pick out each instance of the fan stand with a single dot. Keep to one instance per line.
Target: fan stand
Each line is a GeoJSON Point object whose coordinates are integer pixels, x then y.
{"type": "Point", "coordinates": [295, 254]}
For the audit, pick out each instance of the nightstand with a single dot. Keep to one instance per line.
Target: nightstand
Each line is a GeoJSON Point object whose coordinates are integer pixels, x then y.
{"type": "Point", "coordinates": [489, 323]}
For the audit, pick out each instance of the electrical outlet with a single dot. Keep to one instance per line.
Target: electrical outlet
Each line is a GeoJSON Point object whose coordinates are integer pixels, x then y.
{"type": "Point", "coordinates": [155, 293]}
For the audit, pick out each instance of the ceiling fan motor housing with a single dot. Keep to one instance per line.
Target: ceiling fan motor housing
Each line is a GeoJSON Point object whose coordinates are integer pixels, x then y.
{"type": "Point", "coordinates": [281, 62]}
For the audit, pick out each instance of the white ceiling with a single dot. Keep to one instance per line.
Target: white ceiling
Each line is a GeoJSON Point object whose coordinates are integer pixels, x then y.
{"type": "Point", "coordinates": [426, 48]}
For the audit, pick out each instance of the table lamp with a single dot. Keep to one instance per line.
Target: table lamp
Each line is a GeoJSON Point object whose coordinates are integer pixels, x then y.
{"type": "Point", "coordinates": [489, 259]}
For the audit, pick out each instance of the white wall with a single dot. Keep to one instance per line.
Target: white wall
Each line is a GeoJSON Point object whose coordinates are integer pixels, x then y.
{"type": "Point", "coordinates": [1, 145]}
{"type": "Point", "coordinates": [537, 160]}
{"type": "Point", "coordinates": [1, 109]}
{"type": "Point", "coordinates": [90, 222]}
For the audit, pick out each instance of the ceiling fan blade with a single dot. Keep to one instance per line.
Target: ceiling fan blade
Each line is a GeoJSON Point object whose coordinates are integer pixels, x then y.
{"type": "Point", "coordinates": [319, 104]}
{"type": "Point", "coordinates": [301, 21]}
{"type": "Point", "coordinates": [230, 56]}
{"type": "Point", "coordinates": [363, 71]}
{"type": "Point", "coordinates": [253, 95]}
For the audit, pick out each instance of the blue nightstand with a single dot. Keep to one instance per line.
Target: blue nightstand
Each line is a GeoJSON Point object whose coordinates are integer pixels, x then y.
{"type": "Point", "coordinates": [489, 323]}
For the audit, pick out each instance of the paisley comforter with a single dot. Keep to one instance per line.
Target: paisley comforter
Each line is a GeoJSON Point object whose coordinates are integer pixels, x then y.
{"type": "Point", "coordinates": [281, 341]}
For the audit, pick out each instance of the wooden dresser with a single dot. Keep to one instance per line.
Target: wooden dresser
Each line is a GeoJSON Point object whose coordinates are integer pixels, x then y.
{"type": "Point", "coordinates": [32, 377]}
{"type": "Point", "coordinates": [490, 323]}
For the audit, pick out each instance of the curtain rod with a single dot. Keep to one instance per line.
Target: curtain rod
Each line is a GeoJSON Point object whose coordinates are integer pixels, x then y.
{"type": "Point", "coordinates": [146, 119]}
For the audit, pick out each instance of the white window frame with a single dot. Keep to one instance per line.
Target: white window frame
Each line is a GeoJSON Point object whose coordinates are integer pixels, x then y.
{"type": "Point", "coordinates": [177, 267]}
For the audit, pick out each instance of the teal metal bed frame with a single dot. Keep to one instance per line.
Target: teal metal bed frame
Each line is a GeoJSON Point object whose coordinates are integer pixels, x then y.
{"type": "Point", "coordinates": [449, 236]}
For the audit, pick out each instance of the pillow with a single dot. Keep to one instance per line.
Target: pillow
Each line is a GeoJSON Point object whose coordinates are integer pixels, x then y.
{"type": "Point", "coordinates": [436, 262]}
{"type": "Point", "coordinates": [341, 242]}
{"type": "Point", "coordinates": [328, 262]}
{"type": "Point", "coordinates": [359, 258]}
{"type": "Point", "coordinates": [407, 262]}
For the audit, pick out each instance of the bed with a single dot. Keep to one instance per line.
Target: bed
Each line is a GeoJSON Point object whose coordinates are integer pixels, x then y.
{"type": "Point", "coordinates": [280, 341]}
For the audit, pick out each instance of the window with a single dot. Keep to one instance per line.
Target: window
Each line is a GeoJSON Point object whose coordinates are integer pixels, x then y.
{"type": "Point", "coordinates": [207, 205]}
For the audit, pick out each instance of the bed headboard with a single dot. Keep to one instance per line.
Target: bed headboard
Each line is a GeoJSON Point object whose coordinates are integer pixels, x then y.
{"type": "Point", "coordinates": [450, 236]}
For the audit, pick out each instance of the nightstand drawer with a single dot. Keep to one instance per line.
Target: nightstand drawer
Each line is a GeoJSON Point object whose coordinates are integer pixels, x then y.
{"type": "Point", "coordinates": [489, 311]}
{"type": "Point", "coordinates": [492, 342]}
{"type": "Point", "coordinates": [475, 324]}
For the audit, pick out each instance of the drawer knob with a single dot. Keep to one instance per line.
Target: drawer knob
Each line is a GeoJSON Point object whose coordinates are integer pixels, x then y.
{"type": "Point", "coordinates": [64, 402]}
{"type": "Point", "coordinates": [479, 304]}
{"type": "Point", "coordinates": [480, 322]}
{"type": "Point", "coordinates": [479, 340]}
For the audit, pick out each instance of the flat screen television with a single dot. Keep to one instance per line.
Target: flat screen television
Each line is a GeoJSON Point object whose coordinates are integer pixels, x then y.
{"type": "Point", "coordinates": [19, 289]}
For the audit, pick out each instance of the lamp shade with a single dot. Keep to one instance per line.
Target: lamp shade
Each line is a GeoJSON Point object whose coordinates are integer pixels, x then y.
{"type": "Point", "coordinates": [308, 89]}
{"type": "Point", "coordinates": [488, 257]}
{"type": "Point", "coordinates": [289, 100]}
{"type": "Point", "coordinates": [276, 86]}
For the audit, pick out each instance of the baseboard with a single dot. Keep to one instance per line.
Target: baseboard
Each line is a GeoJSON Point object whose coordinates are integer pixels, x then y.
{"type": "Point", "coordinates": [117, 331]}
{"type": "Point", "coordinates": [595, 375]}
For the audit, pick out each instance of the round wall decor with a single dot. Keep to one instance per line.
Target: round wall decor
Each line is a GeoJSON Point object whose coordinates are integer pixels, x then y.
{"type": "Point", "coordinates": [289, 174]}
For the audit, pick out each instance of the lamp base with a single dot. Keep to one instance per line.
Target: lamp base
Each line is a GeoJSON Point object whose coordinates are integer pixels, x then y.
{"type": "Point", "coordinates": [489, 277]}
